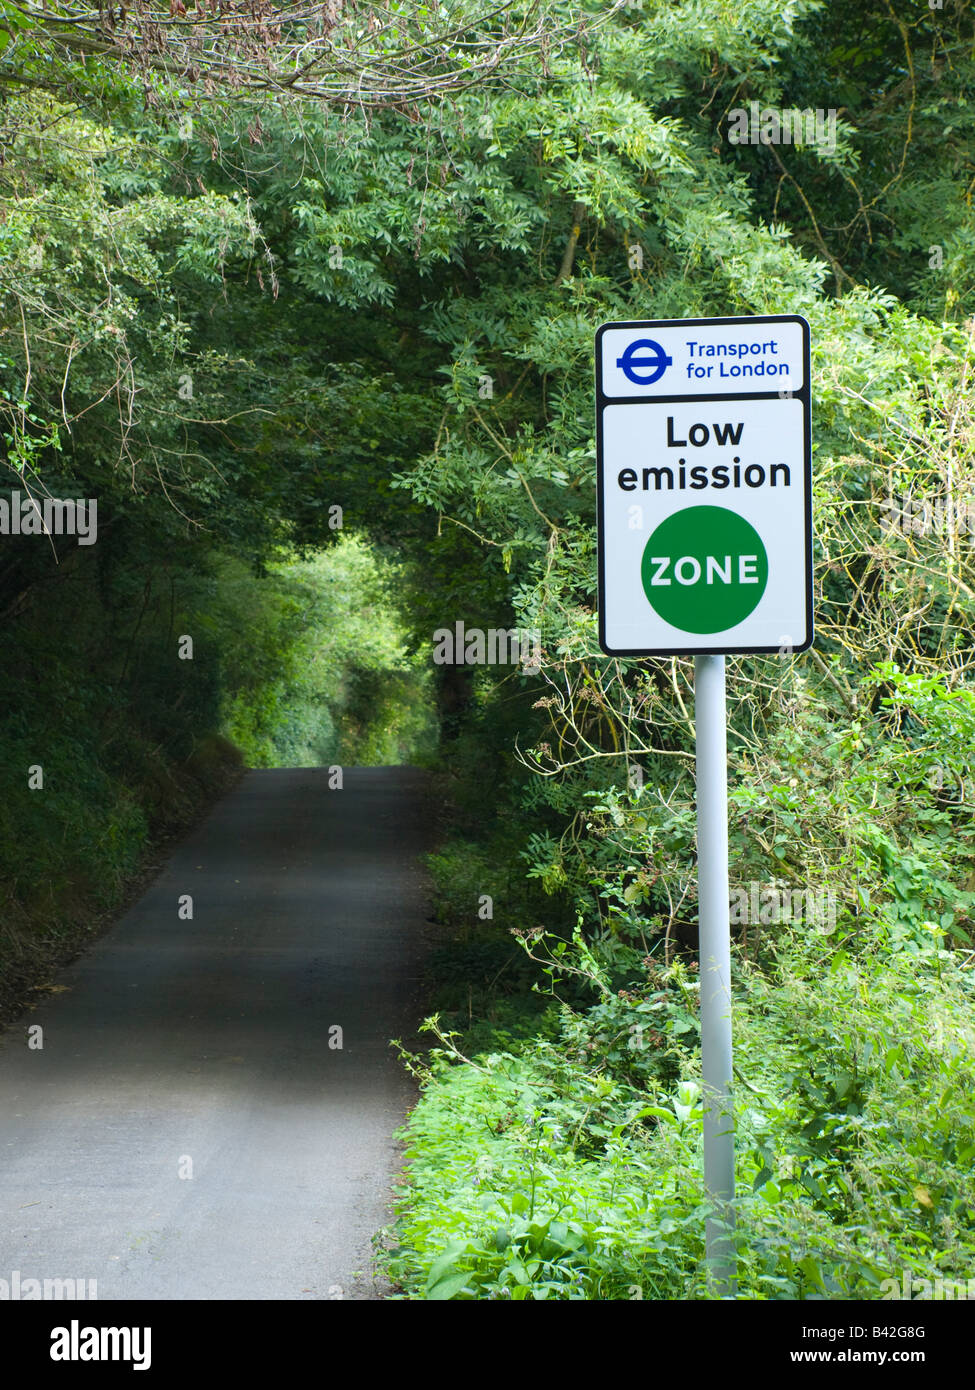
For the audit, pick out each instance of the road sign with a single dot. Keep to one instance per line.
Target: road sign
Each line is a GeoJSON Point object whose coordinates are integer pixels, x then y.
{"type": "Point", "coordinates": [705, 548]}
{"type": "Point", "coordinates": [705, 498]}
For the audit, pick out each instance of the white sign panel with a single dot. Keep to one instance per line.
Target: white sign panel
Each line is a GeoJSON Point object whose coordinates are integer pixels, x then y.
{"type": "Point", "coordinates": [705, 512]}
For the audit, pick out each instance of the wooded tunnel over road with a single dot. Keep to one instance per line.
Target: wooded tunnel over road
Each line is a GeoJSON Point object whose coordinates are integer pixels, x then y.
{"type": "Point", "coordinates": [202, 1046]}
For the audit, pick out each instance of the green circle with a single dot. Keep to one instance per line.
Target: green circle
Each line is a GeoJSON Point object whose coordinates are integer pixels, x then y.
{"type": "Point", "coordinates": [715, 573]}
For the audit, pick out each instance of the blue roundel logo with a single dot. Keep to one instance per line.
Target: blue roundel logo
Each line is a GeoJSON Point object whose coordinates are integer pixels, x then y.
{"type": "Point", "coordinates": [644, 362]}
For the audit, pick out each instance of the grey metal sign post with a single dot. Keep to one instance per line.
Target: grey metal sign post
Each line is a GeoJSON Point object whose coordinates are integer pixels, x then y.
{"type": "Point", "coordinates": [705, 545]}
{"type": "Point", "coordinates": [715, 959]}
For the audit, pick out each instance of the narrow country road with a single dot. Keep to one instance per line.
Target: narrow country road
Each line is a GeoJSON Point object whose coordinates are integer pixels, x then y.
{"type": "Point", "coordinates": [187, 1131]}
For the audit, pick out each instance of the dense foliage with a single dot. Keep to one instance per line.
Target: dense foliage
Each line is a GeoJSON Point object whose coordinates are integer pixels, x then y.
{"type": "Point", "coordinates": [226, 326]}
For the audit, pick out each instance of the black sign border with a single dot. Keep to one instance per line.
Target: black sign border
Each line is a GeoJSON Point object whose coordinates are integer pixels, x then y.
{"type": "Point", "coordinates": [602, 400]}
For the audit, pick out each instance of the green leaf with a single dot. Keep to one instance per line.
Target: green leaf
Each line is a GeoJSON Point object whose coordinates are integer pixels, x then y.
{"type": "Point", "coordinates": [448, 1287]}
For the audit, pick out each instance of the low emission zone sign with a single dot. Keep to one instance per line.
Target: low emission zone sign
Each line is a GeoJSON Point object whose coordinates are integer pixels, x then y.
{"type": "Point", "coordinates": [705, 497]}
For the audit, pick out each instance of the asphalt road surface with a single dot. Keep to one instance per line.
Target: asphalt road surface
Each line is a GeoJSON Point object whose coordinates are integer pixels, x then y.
{"type": "Point", "coordinates": [190, 1129]}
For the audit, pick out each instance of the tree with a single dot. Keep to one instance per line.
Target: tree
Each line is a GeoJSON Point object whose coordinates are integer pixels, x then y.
{"type": "Point", "coordinates": [395, 53]}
